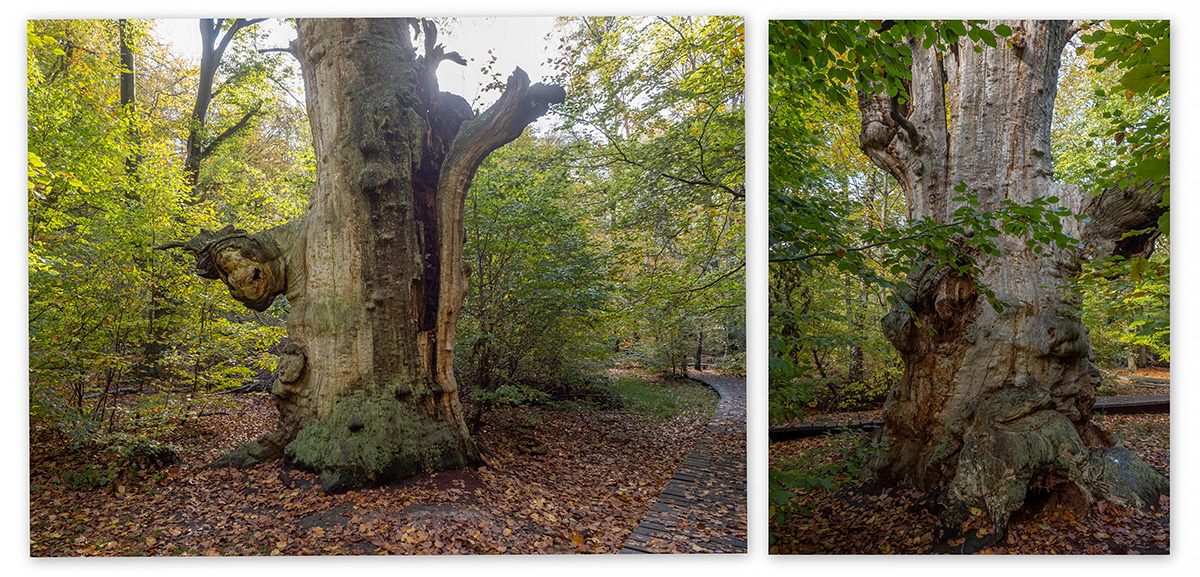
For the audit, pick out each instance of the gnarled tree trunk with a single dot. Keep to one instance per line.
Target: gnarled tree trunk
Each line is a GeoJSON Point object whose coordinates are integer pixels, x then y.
{"type": "Point", "coordinates": [993, 403]}
{"type": "Point", "coordinates": [374, 273]}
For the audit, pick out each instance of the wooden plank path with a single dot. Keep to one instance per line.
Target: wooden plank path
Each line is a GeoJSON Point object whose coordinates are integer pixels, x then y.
{"type": "Point", "coordinates": [1127, 404]}
{"type": "Point", "coordinates": [1124, 404]}
{"type": "Point", "coordinates": [703, 507]}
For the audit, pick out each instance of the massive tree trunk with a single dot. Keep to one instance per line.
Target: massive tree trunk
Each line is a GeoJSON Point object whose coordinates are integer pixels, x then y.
{"type": "Point", "coordinates": [374, 273]}
{"type": "Point", "coordinates": [995, 404]}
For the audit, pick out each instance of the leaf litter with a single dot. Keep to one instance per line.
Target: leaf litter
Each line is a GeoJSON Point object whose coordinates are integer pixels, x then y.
{"type": "Point", "coordinates": [558, 481]}
{"type": "Point", "coordinates": [868, 519]}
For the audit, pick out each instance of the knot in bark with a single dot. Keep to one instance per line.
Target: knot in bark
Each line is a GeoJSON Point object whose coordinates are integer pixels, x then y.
{"type": "Point", "coordinates": [250, 265]}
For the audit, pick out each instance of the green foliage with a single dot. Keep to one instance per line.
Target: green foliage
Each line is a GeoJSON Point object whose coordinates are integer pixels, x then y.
{"type": "Point", "coordinates": [665, 96]}
{"type": "Point", "coordinates": [830, 59]}
{"type": "Point", "coordinates": [88, 477]}
{"type": "Point", "coordinates": [843, 460]}
{"type": "Point", "coordinates": [921, 243]}
{"type": "Point", "coordinates": [1140, 52]}
{"type": "Point", "coordinates": [1112, 130]}
{"type": "Point", "coordinates": [655, 109]}
{"type": "Point", "coordinates": [510, 395]}
{"type": "Point", "coordinates": [540, 288]}
{"type": "Point", "coordinates": [105, 187]}
{"type": "Point", "coordinates": [788, 394]}
{"type": "Point", "coordinates": [120, 456]}
{"type": "Point", "coordinates": [1127, 304]}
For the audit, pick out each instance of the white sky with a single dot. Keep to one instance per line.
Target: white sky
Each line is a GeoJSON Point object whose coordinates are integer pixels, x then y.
{"type": "Point", "coordinates": [515, 41]}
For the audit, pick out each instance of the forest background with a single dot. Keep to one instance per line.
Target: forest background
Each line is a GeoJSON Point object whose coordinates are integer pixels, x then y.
{"type": "Point", "coordinates": [14, 263]}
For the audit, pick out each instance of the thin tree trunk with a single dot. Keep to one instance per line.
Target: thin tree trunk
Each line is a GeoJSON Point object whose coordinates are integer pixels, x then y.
{"type": "Point", "coordinates": [212, 50]}
{"type": "Point", "coordinates": [128, 89]}
{"type": "Point", "coordinates": [854, 372]}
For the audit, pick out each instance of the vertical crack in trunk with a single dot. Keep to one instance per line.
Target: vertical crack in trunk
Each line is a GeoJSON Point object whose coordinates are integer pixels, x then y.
{"type": "Point", "coordinates": [374, 273]}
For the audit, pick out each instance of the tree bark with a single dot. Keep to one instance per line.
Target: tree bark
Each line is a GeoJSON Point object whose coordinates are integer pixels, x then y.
{"type": "Point", "coordinates": [128, 89]}
{"type": "Point", "coordinates": [992, 403]}
{"type": "Point", "coordinates": [374, 273]}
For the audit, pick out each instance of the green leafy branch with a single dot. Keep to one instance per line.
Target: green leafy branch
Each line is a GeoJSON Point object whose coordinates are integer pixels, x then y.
{"type": "Point", "coordinates": [836, 56]}
{"type": "Point", "coordinates": [1142, 50]}
{"type": "Point", "coordinates": [923, 242]}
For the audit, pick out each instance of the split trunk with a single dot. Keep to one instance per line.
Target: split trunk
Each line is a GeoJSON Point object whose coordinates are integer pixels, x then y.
{"type": "Point", "coordinates": [374, 273]}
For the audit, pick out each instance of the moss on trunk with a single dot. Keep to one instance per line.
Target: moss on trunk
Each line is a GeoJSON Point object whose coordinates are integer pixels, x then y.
{"type": "Point", "coordinates": [371, 436]}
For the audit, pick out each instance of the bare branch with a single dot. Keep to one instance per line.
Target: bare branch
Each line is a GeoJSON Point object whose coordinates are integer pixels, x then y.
{"type": "Point", "coordinates": [713, 282]}
{"type": "Point", "coordinates": [228, 132]}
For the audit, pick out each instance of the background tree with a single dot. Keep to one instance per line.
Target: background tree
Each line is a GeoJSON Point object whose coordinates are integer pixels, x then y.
{"type": "Point", "coordinates": [1126, 302]}
{"type": "Point", "coordinates": [538, 309]}
{"type": "Point", "coordinates": [656, 105]}
{"type": "Point", "coordinates": [215, 38]}
{"type": "Point", "coordinates": [105, 188]}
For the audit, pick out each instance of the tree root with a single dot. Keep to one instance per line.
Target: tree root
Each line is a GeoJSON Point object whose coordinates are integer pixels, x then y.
{"type": "Point", "coordinates": [1015, 442]}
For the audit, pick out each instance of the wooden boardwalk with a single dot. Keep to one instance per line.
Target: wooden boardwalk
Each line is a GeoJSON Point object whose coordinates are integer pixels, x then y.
{"type": "Point", "coordinates": [1125, 404]}
{"type": "Point", "coordinates": [1128, 404]}
{"type": "Point", "coordinates": [703, 507]}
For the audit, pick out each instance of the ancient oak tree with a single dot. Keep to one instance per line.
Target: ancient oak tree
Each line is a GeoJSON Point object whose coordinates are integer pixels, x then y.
{"type": "Point", "coordinates": [996, 402]}
{"type": "Point", "coordinates": [374, 272]}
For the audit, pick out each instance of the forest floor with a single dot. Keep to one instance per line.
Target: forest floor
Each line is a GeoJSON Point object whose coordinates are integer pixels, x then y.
{"type": "Point", "coordinates": [860, 518]}
{"type": "Point", "coordinates": [1120, 382]}
{"type": "Point", "coordinates": [560, 481]}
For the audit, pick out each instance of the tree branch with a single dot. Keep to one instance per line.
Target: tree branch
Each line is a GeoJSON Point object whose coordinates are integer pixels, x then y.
{"type": "Point", "coordinates": [1118, 211]}
{"type": "Point", "coordinates": [239, 125]}
{"type": "Point", "coordinates": [869, 246]}
{"type": "Point", "coordinates": [905, 123]}
{"type": "Point", "coordinates": [500, 124]}
{"type": "Point", "coordinates": [713, 282]}
{"type": "Point", "coordinates": [254, 267]}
